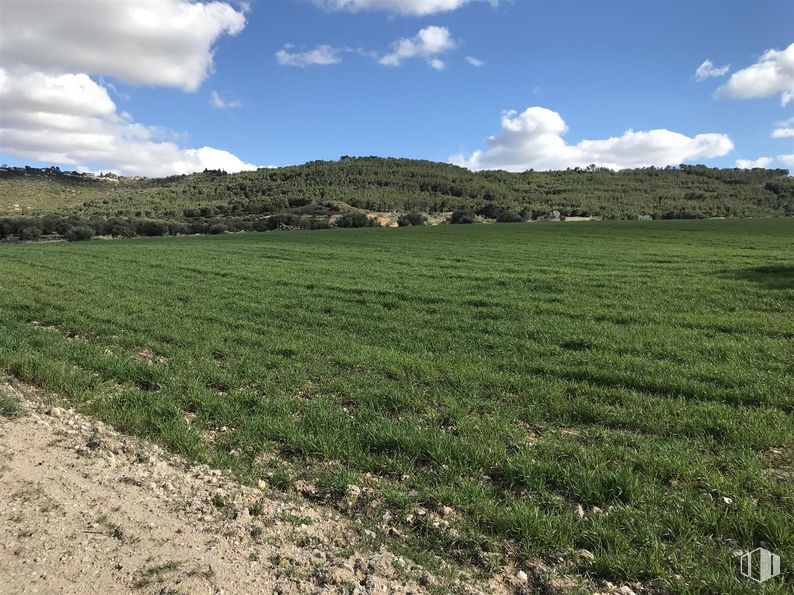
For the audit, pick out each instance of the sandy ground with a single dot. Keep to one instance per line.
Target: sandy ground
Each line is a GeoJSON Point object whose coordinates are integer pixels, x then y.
{"type": "Point", "coordinates": [84, 509]}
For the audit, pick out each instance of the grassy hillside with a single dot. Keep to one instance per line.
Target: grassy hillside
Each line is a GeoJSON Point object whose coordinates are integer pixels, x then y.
{"type": "Point", "coordinates": [611, 399]}
{"type": "Point", "coordinates": [40, 192]}
{"type": "Point", "coordinates": [373, 184]}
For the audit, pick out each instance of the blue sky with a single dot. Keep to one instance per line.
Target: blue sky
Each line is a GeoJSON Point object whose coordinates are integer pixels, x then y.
{"type": "Point", "coordinates": [601, 67]}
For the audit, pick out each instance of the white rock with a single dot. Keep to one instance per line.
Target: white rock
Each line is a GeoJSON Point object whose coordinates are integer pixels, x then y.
{"type": "Point", "coordinates": [522, 576]}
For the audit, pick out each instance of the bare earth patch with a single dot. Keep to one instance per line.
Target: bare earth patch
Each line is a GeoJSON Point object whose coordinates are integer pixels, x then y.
{"type": "Point", "coordinates": [86, 509]}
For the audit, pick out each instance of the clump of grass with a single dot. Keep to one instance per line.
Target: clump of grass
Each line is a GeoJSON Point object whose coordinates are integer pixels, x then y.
{"type": "Point", "coordinates": [256, 509]}
{"type": "Point", "coordinates": [298, 520]}
{"type": "Point", "coordinates": [154, 574]}
{"type": "Point", "coordinates": [334, 483]}
{"type": "Point", "coordinates": [281, 479]}
{"type": "Point", "coordinates": [113, 529]}
{"type": "Point", "coordinates": [9, 406]}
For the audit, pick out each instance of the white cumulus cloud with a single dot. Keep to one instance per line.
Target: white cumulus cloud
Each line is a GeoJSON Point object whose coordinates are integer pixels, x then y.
{"type": "Point", "coordinates": [160, 42]}
{"type": "Point", "coordinates": [474, 61]}
{"type": "Point", "coordinates": [751, 163]}
{"type": "Point", "coordinates": [784, 129]}
{"type": "Point", "coordinates": [782, 133]}
{"type": "Point", "coordinates": [787, 159]}
{"type": "Point", "coordinates": [773, 73]}
{"type": "Point", "coordinates": [218, 102]}
{"type": "Point", "coordinates": [406, 7]}
{"type": "Point", "coordinates": [71, 120]}
{"type": "Point", "coordinates": [707, 70]}
{"type": "Point", "coordinates": [534, 139]}
{"type": "Point", "coordinates": [52, 110]}
{"type": "Point", "coordinates": [427, 44]}
{"type": "Point", "coordinates": [437, 64]}
{"type": "Point", "coordinates": [322, 55]}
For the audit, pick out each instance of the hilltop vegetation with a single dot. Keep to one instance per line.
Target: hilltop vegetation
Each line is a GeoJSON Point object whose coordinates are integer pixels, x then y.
{"type": "Point", "coordinates": [317, 193]}
{"type": "Point", "coordinates": [611, 400]}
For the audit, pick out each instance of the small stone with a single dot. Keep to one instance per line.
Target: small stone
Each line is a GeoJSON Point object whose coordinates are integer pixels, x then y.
{"type": "Point", "coordinates": [387, 517]}
{"type": "Point", "coordinates": [597, 510]}
{"type": "Point", "coordinates": [727, 501]}
{"type": "Point", "coordinates": [579, 511]}
{"type": "Point", "coordinates": [261, 484]}
{"type": "Point", "coordinates": [394, 532]}
{"type": "Point", "coordinates": [445, 510]}
{"type": "Point", "coordinates": [353, 491]}
{"type": "Point", "coordinates": [522, 577]}
{"type": "Point", "coordinates": [304, 488]}
{"type": "Point", "coordinates": [626, 590]}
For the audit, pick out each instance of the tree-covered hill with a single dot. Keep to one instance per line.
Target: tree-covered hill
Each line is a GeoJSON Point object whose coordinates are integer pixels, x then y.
{"type": "Point", "coordinates": [324, 189]}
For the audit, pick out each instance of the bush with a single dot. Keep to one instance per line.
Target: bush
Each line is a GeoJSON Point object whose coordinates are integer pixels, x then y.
{"type": "Point", "coordinates": [5, 230]}
{"type": "Point", "coordinates": [509, 217]}
{"type": "Point", "coordinates": [462, 217]}
{"type": "Point", "coordinates": [318, 223]}
{"type": "Point", "coordinates": [122, 231]}
{"type": "Point", "coordinates": [79, 233]}
{"type": "Point", "coordinates": [354, 220]}
{"type": "Point", "coordinates": [217, 228]}
{"type": "Point", "coordinates": [176, 228]}
{"type": "Point", "coordinates": [278, 221]}
{"type": "Point", "coordinates": [490, 211]}
{"type": "Point", "coordinates": [152, 228]}
{"type": "Point", "coordinates": [411, 219]}
{"type": "Point", "coordinates": [31, 233]}
{"type": "Point", "coordinates": [50, 225]}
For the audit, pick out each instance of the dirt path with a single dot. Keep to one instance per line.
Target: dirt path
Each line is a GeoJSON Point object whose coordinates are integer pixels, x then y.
{"type": "Point", "coordinates": [84, 509]}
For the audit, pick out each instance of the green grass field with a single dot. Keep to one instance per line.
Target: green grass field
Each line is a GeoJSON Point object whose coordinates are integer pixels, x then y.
{"type": "Point", "coordinates": [511, 372]}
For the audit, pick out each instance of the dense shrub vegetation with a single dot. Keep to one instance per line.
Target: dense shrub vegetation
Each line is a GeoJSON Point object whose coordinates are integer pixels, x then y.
{"type": "Point", "coordinates": [412, 218]}
{"type": "Point", "coordinates": [341, 193]}
{"type": "Point", "coordinates": [79, 233]}
{"type": "Point", "coordinates": [29, 233]}
{"type": "Point", "coordinates": [355, 220]}
{"type": "Point", "coordinates": [466, 216]}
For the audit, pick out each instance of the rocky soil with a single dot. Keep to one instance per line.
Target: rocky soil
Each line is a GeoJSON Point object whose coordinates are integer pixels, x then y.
{"type": "Point", "coordinates": [84, 509]}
